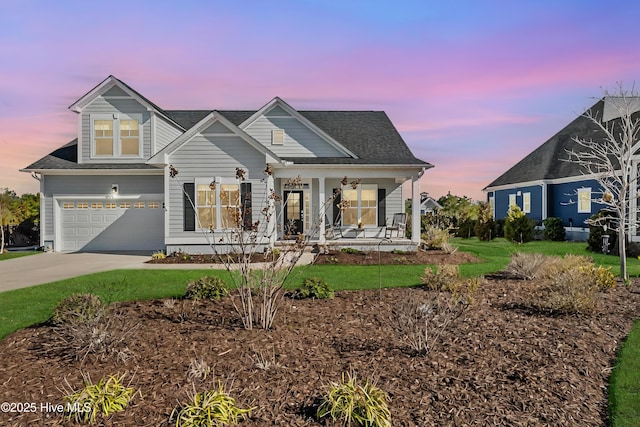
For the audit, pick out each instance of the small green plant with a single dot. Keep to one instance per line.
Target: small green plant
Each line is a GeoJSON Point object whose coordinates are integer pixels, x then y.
{"type": "Point", "coordinates": [207, 287]}
{"type": "Point", "coordinates": [518, 227]}
{"type": "Point", "coordinates": [553, 229]}
{"type": "Point", "coordinates": [79, 308]}
{"type": "Point", "coordinates": [350, 251]}
{"type": "Point", "coordinates": [354, 404]}
{"type": "Point", "coordinates": [314, 287]}
{"type": "Point", "coordinates": [106, 397]}
{"type": "Point", "coordinates": [209, 408]}
{"type": "Point", "coordinates": [158, 255]}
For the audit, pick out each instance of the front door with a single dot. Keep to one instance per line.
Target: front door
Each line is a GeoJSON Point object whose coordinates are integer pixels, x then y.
{"type": "Point", "coordinates": [293, 214]}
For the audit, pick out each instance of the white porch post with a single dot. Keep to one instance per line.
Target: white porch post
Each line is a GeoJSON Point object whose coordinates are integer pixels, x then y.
{"type": "Point", "coordinates": [323, 208]}
{"type": "Point", "coordinates": [415, 209]}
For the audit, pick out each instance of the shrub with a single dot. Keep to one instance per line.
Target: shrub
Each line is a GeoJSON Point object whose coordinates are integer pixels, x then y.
{"type": "Point", "coordinates": [158, 255]}
{"type": "Point", "coordinates": [208, 287]}
{"type": "Point", "coordinates": [313, 287]}
{"type": "Point", "coordinates": [527, 266]}
{"type": "Point", "coordinates": [594, 242]}
{"type": "Point", "coordinates": [572, 291]}
{"type": "Point", "coordinates": [79, 308]}
{"type": "Point", "coordinates": [349, 251]}
{"type": "Point", "coordinates": [435, 238]}
{"type": "Point", "coordinates": [553, 229]}
{"type": "Point", "coordinates": [354, 404]}
{"type": "Point", "coordinates": [105, 398]}
{"type": "Point", "coordinates": [518, 227]}
{"type": "Point", "coordinates": [209, 408]}
{"type": "Point", "coordinates": [603, 278]}
{"type": "Point", "coordinates": [444, 278]}
{"type": "Point", "coordinates": [466, 228]}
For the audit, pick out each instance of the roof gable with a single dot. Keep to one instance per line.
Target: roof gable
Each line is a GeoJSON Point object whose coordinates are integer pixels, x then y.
{"type": "Point", "coordinates": [213, 123]}
{"type": "Point", "coordinates": [277, 108]}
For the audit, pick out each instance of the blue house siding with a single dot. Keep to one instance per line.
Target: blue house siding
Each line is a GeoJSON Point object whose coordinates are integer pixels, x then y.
{"type": "Point", "coordinates": [563, 202]}
{"type": "Point", "coordinates": [501, 200]}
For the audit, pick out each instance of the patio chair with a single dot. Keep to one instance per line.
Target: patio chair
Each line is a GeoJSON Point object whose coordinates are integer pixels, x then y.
{"type": "Point", "coordinates": [398, 224]}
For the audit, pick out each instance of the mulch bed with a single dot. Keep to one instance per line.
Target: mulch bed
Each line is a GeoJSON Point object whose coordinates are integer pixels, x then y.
{"type": "Point", "coordinates": [501, 363]}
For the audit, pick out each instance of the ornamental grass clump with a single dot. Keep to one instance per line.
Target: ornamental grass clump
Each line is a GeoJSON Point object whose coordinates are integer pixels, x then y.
{"type": "Point", "coordinates": [107, 396]}
{"type": "Point", "coordinates": [355, 404]}
{"type": "Point", "coordinates": [209, 408]}
{"type": "Point", "coordinates": [79, 308]}
{"type": "Point", "coordinates": [527, 266]}
{"type": "Point", "coordinates": [443, 278]}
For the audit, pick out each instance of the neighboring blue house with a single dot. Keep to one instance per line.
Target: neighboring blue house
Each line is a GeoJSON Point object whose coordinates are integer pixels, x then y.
{"type": "Point", "coordinates": [544, 184]}
{"type": "Point", "coordinates": [111, 189]}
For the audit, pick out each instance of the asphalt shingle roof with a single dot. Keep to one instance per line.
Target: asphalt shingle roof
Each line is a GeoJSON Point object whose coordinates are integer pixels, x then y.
{"type": "Point", "coordinates": [370, 135]}
{"type": "Point", "coordinates": [548, 160]}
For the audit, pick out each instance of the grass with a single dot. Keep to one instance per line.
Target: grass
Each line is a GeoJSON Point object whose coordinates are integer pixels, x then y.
{"type": "Point", "coordinates": [624, 385]}
{"type": "Point", "coordinates": [496, 253]}
{"type": "Point", "coordinates": [10, 255]}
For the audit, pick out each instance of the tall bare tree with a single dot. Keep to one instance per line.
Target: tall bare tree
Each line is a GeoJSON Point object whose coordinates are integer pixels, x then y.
{"type": "Point", "coordinates": [609, 156]}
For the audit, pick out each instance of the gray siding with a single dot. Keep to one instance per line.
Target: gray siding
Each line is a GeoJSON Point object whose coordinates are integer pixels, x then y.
{"type": "Point", "coordinates": [208, 157]}
{"type": "Point", "coordinates": [299, 141]}
{"type": "Point", "coordinates": [217, 127]}
{"type": "Point", "coordinates": [99, 185]}
{"type": "Point", "coordinates": [165, 133]}
{"type": "Point", "coordinates": [102, 105]}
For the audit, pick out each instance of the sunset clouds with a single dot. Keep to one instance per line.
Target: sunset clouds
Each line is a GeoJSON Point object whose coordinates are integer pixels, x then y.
{"type": "Point", "coordinates": [472, 86]}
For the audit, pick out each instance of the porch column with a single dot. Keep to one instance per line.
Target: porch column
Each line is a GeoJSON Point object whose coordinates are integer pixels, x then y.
{"type": "Point", "coordinates": [323, 208]}
{"type": "Point", "coordinates": [415, 209]}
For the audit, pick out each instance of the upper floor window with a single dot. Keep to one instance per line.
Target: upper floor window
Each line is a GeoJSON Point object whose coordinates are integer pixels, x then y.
{"type": "Point", "coordinates": [115, 135]}
{"type": "Point", "coordinates": [584, 200]}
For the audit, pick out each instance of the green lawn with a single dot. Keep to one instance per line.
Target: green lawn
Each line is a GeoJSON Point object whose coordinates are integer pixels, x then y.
{"type": "Point", "coordinates": [9, 255]}
{"type": "Point", "coordinates": [624, 386]}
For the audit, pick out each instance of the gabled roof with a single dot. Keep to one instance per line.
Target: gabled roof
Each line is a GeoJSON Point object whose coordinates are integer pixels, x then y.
{"type": "Point", "coordinates": [206, 121]}
{"type": "Point", "coordinates": [66, 157]}
{"type": "Point", "coordinates": [547, 161]}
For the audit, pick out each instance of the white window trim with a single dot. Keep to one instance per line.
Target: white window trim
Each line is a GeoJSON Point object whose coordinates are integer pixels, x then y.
{"type": "Point", "coordinates": [582, 191]}
{"type": "Point", "coordinates": [219, 182]}
{"type": "Point", "coordinates": [359, 199]}
{"type": "Point", "coordinates": [117, 147]}
{"type": "Point", "coordinates": [526, 202]}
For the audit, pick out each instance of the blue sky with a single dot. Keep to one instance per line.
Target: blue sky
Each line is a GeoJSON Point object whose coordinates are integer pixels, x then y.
{"type": "Point", "coordinates": [472, 86]}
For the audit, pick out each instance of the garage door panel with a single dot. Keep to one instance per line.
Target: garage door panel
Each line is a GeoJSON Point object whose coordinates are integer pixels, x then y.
{"type": "Point", "coordinates": [103, 229]}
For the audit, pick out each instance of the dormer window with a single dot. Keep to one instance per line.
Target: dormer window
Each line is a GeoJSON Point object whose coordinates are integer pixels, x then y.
{"type": "Point", "coordinates": [116, 135]}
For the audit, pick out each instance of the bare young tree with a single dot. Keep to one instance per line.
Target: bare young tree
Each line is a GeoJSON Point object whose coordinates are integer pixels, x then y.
{"type": "Point", "coordinates": [609, 157]}
{"type": "Point", "coordinates": [259, 286]}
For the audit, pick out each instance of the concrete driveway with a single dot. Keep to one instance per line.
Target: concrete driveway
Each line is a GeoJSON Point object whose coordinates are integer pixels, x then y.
{"type": "Point", "coordinates": [36, 269]}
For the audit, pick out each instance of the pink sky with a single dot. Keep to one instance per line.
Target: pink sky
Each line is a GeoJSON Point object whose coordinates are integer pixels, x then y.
{"type": "Point", "coordinates": [472, 86]}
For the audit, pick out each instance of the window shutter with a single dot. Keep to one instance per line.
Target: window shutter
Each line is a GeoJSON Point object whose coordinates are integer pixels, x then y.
{"type": "Point", "coordinates": [382, 207]}
{"type": "Point", "coordinates": [336, 210]}
{"type": "Point", "coordinates": [245, 204]}
{"type": "Point", "coordinates": [189, 212]}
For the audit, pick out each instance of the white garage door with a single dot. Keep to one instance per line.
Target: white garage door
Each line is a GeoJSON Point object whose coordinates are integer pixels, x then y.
{"type": "Point", "coordinates": [112, 226]}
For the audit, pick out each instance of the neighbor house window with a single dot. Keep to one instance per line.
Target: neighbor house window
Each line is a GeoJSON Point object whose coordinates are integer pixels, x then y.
{"type": "Point", "coordinates": [584, 200]}
{"type": "Point", "coordinates": [361, 205]}
{"type": "Point", "coordinates": [512, 201]}
{"type": "Point", "coordinates": [492, 206]}
{"type": "Point", "coordinates": [115, 135]}
{"type": "Point", "coordinates": [217, 205]}
{"type": "Point", "coordinates": [526, 202]}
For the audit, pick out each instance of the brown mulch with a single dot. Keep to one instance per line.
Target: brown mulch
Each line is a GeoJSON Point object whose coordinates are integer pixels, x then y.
{"type": "Point", "coordinates": [502, 362]}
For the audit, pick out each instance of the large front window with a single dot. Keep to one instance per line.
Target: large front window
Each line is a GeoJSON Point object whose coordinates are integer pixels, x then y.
{"type": "Point", "coordinates": [360, 205]}
{"type": "Point", "coordinates": [217, 205]}
{"type": "Point", "coordinates": [116, 136]}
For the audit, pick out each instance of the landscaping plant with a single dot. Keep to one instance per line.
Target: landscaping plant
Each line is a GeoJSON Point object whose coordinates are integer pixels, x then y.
{"type": "Point", "coordinates": [79, 308]}
{"type": "Point", "coordinates": [518, 227]}
{"type": "Point", "coordinates": [209, 408]}
{"type": "Point", "coordinates": [356, 404]}
{"type": "Point", "coordinates": [313, 287]}
{"type": "Point", "coordinates": [108, 396]}
{"type": "Point", "coordinates": [207, 287]}
{"type": "Point", "coordinates": [553, 229]}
